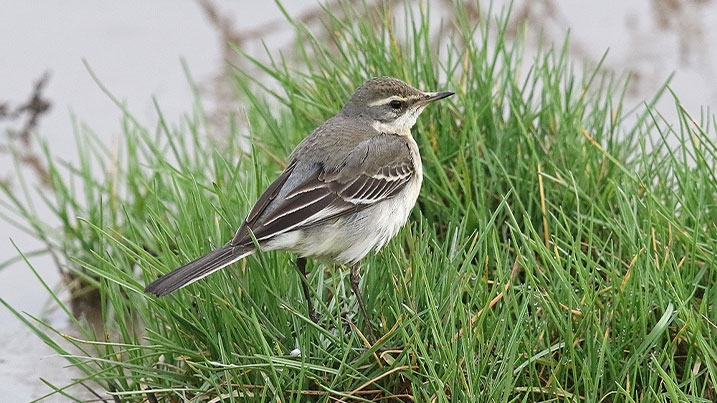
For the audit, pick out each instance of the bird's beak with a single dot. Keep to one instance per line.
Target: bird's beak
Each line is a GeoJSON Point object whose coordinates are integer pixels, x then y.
{"type": "Point", "coordinates": [435, 96]}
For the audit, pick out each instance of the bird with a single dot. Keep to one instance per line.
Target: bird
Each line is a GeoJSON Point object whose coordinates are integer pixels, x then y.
{"type": "Point", "coordinates": [347, 189]}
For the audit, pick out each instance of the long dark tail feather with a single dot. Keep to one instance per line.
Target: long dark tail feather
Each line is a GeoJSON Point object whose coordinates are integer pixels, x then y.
{"type": "Point", "coordinates": [196, 270]}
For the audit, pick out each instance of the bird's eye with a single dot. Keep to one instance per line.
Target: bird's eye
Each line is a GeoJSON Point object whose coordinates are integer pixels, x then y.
{"type": "Point", "coordinates": [395, 104]}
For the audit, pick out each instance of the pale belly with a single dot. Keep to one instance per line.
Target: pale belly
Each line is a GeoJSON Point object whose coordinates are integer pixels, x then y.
{"type": "Point", "coordinates": [350, 238]}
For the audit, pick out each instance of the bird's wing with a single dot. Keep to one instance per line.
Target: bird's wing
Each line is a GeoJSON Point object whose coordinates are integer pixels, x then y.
{"type": "Point", "coordinates": [374, 171]}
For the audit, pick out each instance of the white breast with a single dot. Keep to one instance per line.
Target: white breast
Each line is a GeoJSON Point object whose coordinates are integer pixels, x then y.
{"type": "Point", "coordinates": [352, 237]}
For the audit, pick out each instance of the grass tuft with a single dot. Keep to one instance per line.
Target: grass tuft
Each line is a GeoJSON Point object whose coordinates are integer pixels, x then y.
{"type": "Point", "coordinates": [563, 247]}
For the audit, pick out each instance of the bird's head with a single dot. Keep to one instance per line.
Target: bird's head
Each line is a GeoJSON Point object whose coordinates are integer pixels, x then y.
{"type": "Point", "coordinates": [392, 105]}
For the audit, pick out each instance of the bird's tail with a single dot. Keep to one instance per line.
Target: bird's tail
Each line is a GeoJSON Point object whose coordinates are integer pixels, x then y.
{"type": "Point", "coordinates": [196, 270]}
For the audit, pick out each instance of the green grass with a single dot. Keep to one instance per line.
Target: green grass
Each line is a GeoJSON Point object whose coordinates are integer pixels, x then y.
{"type": "Point", "coordinates": [563, 247]}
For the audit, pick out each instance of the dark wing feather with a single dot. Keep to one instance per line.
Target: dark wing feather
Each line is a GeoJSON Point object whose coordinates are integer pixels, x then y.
{"type": "Point", "coordinates": [241, 237]}
{"type": "Point", "coordinates": [304, 209]}
{"type": "Point", "coordinates": [269, 194]}
{"type": "Point", "coordinates": [372, 188]}
{"type": "Point", "coordinates": [325, 195]}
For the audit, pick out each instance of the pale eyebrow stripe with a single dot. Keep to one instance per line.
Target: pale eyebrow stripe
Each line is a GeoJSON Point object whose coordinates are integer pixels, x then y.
{"type": "Point", "coordinates": [387, 100]}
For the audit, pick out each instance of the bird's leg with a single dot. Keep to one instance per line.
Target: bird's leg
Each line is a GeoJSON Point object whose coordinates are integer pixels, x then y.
{"type": "Point", "coordinates": [301, 267]}
{"type": "Point", "coordinates": [355, 280]}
